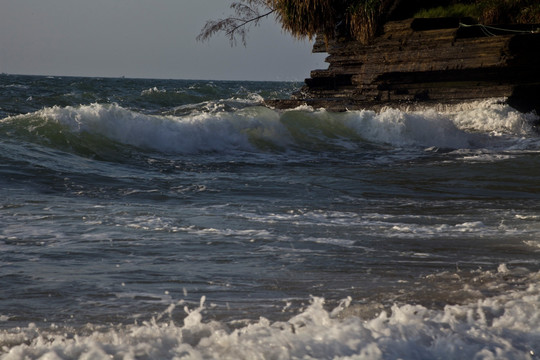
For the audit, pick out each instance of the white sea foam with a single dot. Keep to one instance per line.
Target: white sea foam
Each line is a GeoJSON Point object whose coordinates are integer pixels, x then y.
{"type": "Point", "coordinates": [532, 243]}
{"type": "Point", "coordinates": [491, 116]}
{"type": "Point", "coordinates": [215, 126]}
{"type": "Point", "coordinates": [200, 132]}
{"type": "Point", "coordinates": [504, 326]}
{"type": "Point", "coordinates": [482, 157]}
{"type": "Point", "coordinates": [153, 90]}
{"type": "Point", "coordinates": [482, 124]}
{"type": "Point", "coordinates": [405, 226]}
{"type": "Point", "coordinates": [400, 128]}
{"type": "Point", "coordinates": [16, 86]}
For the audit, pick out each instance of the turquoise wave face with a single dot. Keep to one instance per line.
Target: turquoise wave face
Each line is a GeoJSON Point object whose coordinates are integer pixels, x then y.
{"type": "Point", "coordinates": [218, 127]}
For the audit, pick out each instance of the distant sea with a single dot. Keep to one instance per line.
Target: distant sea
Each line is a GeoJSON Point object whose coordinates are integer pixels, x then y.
{"type": "Point", "coordinates": [178, 219]}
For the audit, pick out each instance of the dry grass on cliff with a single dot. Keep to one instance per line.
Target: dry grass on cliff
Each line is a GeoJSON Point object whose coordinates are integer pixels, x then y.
{"type": "Point", "coordinates": [489, 11]}
{"type": "Point", "coordinates": [510, 11]}
{"type": "Point", "coordinates": [307, 18]}
{"type": "Point", "coordinates": [365, 18]}
{"type": "Point", "coordinates": [360, 19]}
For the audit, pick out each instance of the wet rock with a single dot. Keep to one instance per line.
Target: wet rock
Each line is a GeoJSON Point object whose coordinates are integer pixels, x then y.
{"type": "Point", "coordinates": [418, 62]}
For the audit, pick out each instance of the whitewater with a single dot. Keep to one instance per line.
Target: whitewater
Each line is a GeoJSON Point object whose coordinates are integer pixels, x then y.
{"type": "Point", "coordinates": [183, 219]}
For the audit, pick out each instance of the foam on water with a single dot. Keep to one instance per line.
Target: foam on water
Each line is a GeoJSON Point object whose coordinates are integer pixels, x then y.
{"type": "Point", "coordinates": [125, 200]}
{"type": "Point", "coordinates": [210, 127]}
{"type": "Point", "coordinates": [491, 116]}
{"type": "Point", "coordinates": [503, 326]}
{"type": "Point", "coordinates": [498, 224]}
{"type": "Point", "coordinates": [152, 91]}
{"type": "Point", "coordinates": [472, 125]}
{"type": "Point", "coordinates": [201, 132]}
{"type": "Point", "coordinates": [400, 128]}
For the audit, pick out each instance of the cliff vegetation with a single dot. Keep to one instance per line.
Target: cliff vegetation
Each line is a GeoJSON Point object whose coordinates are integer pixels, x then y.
{"type": "Point", "coordinates": [361, 19]}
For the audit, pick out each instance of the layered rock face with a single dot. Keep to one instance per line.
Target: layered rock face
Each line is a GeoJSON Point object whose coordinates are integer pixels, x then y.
{"type": "Point", "coordinates": [419, 62]}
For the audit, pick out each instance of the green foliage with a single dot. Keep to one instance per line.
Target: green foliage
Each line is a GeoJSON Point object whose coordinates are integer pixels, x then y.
{"type": "Point", "coordinates": [454, 10]}
{"type": "Point", "coordinates": [488, 11]}
{"type": "Point", "coordinates": [510, 11]}
{"type": "Point", "coordinates": [362, 19]}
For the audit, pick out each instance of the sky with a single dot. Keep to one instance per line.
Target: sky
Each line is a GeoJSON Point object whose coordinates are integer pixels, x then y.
{"type": "Point", "coordinates": [143, 39]}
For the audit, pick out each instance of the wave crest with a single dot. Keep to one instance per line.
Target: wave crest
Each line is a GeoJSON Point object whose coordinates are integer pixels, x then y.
{"type": "Point", "coordinates": [256, 128]}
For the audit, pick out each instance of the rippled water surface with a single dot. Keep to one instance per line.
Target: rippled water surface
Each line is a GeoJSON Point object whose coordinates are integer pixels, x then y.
{"type": "Point", "coordinates": [183, 219]}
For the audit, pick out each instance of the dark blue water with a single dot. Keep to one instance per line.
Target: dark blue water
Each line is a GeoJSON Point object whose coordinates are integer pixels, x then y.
{"type": "Point", "coordinates": [284, 234]}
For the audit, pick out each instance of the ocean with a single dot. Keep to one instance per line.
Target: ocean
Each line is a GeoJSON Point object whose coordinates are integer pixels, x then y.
{"type": "Point", "coordinates": [179, 219]}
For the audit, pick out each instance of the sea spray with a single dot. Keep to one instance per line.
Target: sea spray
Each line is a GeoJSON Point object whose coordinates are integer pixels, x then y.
{"type": "Point", "coordinates": [399, 128]}
{"type": "Point", "coordinates": [201, 132]}
{"type": "Point", "coordinates": [260, 128]}
{"type": "Point", "coordinates": [505, 326]}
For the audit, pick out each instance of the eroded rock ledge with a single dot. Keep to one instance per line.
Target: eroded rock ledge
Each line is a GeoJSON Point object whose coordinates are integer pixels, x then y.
{"type": "Point", "coordinates": [420, 62]}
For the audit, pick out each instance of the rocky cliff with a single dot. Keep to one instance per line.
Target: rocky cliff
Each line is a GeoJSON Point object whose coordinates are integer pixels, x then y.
{"type": "Point", "coordinates": [419, 62]}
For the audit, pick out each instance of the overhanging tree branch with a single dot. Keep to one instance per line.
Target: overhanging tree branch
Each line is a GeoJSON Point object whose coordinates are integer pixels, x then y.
{"type": "Point", "coordinates": [246, 22]}
{"type": "Point", "coordinates": [247, 13]}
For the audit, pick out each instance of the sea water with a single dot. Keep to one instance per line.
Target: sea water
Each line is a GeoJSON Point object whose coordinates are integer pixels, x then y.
{"type": "Point", "coordinates": [175, 219]}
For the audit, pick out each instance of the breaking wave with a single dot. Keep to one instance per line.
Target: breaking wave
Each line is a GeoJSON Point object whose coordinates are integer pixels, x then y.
{"type": "Point", "coordinates": [505, 326]}
{"type": "Point", "coordinates": [212, 128]}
